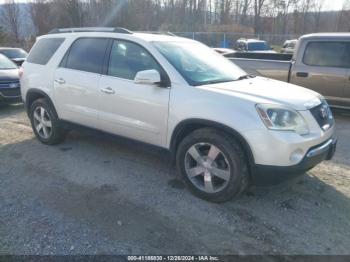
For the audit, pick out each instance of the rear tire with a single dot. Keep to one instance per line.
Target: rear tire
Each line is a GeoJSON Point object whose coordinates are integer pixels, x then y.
{"type": "Point", "coordinates": [213, 165]}
{"type": "Point", "coordinates": [45, 122]}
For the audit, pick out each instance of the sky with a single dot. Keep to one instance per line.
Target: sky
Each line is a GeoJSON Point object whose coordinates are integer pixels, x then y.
{"type": "Point", "coordinates": [329, 4]}
{"type": "Point", "coordinates": [333, 4]}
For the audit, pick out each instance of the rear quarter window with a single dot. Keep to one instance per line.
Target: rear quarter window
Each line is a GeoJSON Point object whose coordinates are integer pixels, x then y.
{"type": "Point", "coordinates": [43, 50]}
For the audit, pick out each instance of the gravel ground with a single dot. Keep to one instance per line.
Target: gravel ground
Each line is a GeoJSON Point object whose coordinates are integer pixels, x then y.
{"type": "Point", "coordinates": [97, 195]}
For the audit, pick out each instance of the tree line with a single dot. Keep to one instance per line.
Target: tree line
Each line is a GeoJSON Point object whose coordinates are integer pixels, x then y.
{"type": "Point", "coordinates": [245, 16]}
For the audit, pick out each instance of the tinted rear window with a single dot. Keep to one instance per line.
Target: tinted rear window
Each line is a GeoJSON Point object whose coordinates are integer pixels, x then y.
{"type": "Point", "coordinates": [43, 50]}
{"type": "Point", "coordinates": [329, 54]}
{"type": "Point", "coordinates": [87, 54]}
{"type": "Point", "coordinates": [258, 46]}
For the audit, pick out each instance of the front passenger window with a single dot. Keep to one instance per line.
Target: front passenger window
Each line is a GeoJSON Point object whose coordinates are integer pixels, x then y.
{"type": "Point", "coordinates": [127, 59]}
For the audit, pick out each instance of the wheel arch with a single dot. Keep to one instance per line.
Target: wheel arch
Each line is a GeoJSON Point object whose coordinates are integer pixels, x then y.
{"type": "Point", "coordinates": [34, 94]}
{"type": "Point", "coordinates": [187, 126]}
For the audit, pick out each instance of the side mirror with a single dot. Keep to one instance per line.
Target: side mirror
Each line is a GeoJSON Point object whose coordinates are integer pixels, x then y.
{"type": "Point", "coordinates": [148, 77]}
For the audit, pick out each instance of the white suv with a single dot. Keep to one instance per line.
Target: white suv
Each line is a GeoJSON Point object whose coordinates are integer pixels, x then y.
{"type": "Point", "coordinates": [224, 128]}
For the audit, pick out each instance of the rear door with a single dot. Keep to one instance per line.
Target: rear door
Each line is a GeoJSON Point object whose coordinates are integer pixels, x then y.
{"type": "Point", "coordinates": [77, 81]}
{"type": "Point", "coordinates": [324, 69]}
{"type": "Point", "coordinates": [133, 110]}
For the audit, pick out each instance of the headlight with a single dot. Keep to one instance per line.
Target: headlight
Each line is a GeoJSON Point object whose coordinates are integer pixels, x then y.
{"type": "Point", "coordinates": [277, 117]}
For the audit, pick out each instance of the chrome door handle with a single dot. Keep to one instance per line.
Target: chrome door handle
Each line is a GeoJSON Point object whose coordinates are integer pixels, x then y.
{"type": "Point", "coordinates": [60, 81]}
{"type": "Point", "coordinates": [108, 91]}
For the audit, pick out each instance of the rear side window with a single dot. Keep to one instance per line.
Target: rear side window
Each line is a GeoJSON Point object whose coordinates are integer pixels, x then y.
{"type": "Point", "coordinates": [327, 54]}
{"type": "Point", "coordinates": [43, 50]}
{"type": "Point", "coordinates": [87, 54]}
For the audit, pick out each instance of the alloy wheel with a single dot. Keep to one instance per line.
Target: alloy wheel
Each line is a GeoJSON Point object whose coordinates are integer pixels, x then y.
{"type": "Point", "coordinates": [207, 167]}
{"type": "Point", "coordinates": [42, 122]}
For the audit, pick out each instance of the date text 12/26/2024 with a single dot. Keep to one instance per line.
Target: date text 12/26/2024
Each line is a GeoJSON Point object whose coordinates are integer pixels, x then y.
{"type": "Point", "coordinates": [172, 258]}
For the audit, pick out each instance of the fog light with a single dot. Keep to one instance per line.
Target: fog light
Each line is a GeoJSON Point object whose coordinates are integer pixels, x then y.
{"type": "Point", "coordinates": [297, 156]}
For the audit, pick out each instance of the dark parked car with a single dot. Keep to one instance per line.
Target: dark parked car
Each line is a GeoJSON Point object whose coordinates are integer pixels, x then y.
{"type": "Point", "coordinates": [9, 82]}
{"type": "Point", "coordinates": [254, 46]}
{"type": "Point", "coordinates": [17, 55]}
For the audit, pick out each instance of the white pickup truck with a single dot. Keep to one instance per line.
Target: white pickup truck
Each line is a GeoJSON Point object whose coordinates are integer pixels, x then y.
{"type": "Point", "coordinates": [321, 62]}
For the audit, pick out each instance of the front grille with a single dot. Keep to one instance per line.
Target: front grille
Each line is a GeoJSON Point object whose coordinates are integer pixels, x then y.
{"type": "Point", "coordinates": [10, 92]}
{"type": "Point", "coordinates": [7, 91]}
{"type": "Point", "coordinates": [6, 83]}
{"type": "Point", "coordinates": [323, 115]}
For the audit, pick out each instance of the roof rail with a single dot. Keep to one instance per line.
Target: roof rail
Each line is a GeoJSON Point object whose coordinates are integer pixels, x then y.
{"type": "Point", "coordinates": [90, 29]}
{"type": "Point", "coordinates": [158, 33]}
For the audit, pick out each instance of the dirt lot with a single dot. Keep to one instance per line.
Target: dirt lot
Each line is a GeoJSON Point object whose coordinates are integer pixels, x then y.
{"type": "Point", "coordinates": [97, 195]}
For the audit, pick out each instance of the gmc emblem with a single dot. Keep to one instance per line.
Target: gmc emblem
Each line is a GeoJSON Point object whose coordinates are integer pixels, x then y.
{"type": "Point", "coordinates": [324, 112]}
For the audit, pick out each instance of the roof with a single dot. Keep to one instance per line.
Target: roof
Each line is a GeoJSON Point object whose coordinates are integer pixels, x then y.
{"type": "Point", "coordinates": [327, 36]}
{"type": "Point", "coordinates": [108, 32]}
{"type": "Point", "coordinates": [157, 37]}
{"type": "Point", "coordinates": [251, 40]}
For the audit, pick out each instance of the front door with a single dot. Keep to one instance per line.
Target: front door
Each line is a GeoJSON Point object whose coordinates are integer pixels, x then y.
{"type": "Point", "coordinates": [137, 111]}
{"type": "Point", "coordinates": [323, 69]}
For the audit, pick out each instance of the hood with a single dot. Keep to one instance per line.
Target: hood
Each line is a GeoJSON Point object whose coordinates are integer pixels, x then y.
{"type": "Point", "coordinates": [9, 75]}
{"type": "Point", "coordinates": [268, 91]}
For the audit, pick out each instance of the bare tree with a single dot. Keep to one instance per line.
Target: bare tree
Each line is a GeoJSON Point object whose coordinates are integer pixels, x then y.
{"type": "Point", "coordinates": [67, 13]}
{"type": "Point", "coordinates": [39, 10]}
{"type": "Point", "coordinates": [305, 7]}
{"type": "Point", "coordinates": [284, 9]}
{"type": "Point", "coordinates": [2, 35]}
{"type": "Point", "coordinates": [244, 13]}
{"type": "Point", "coordinates": [317, 10]}
{"type": "Point", "coordinates": [258, 6]}
{"type": "Point", "coordinates": [261, 16]}
{"type": "Point", "coordinates": [11, 20]}
{"type": "Point", "coordinates": [344, 17]}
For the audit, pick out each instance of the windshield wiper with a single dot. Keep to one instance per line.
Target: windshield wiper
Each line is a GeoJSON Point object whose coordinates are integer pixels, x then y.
{"type": "Point", "coordinates": [224, 81]}
{"type": "Point", "coordinates": [245, 77]}
{"type": "Point", "coordinates": [213, 82]}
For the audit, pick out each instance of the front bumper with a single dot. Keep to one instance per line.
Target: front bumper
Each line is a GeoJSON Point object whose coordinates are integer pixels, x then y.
{"type": "Point", "coordinates": [272, 175]}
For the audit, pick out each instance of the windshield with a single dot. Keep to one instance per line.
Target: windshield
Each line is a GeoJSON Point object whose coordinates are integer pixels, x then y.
{"type": "Point", "coordinates": [5, 63]}
{"type": "Point", "coordinates": [198, 64]}
{"type": "Point", "coordinates": [258, 46]}
{"type": "Point", "coordinates": [14, 53]}
{"type": "Point", "coordinates": [292, 44]}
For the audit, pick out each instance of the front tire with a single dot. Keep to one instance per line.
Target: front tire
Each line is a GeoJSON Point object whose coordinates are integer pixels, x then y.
{"type": "Point", "coordinates": [213, 165]}
{"type": "Point", "coordinates": [45, 122]}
